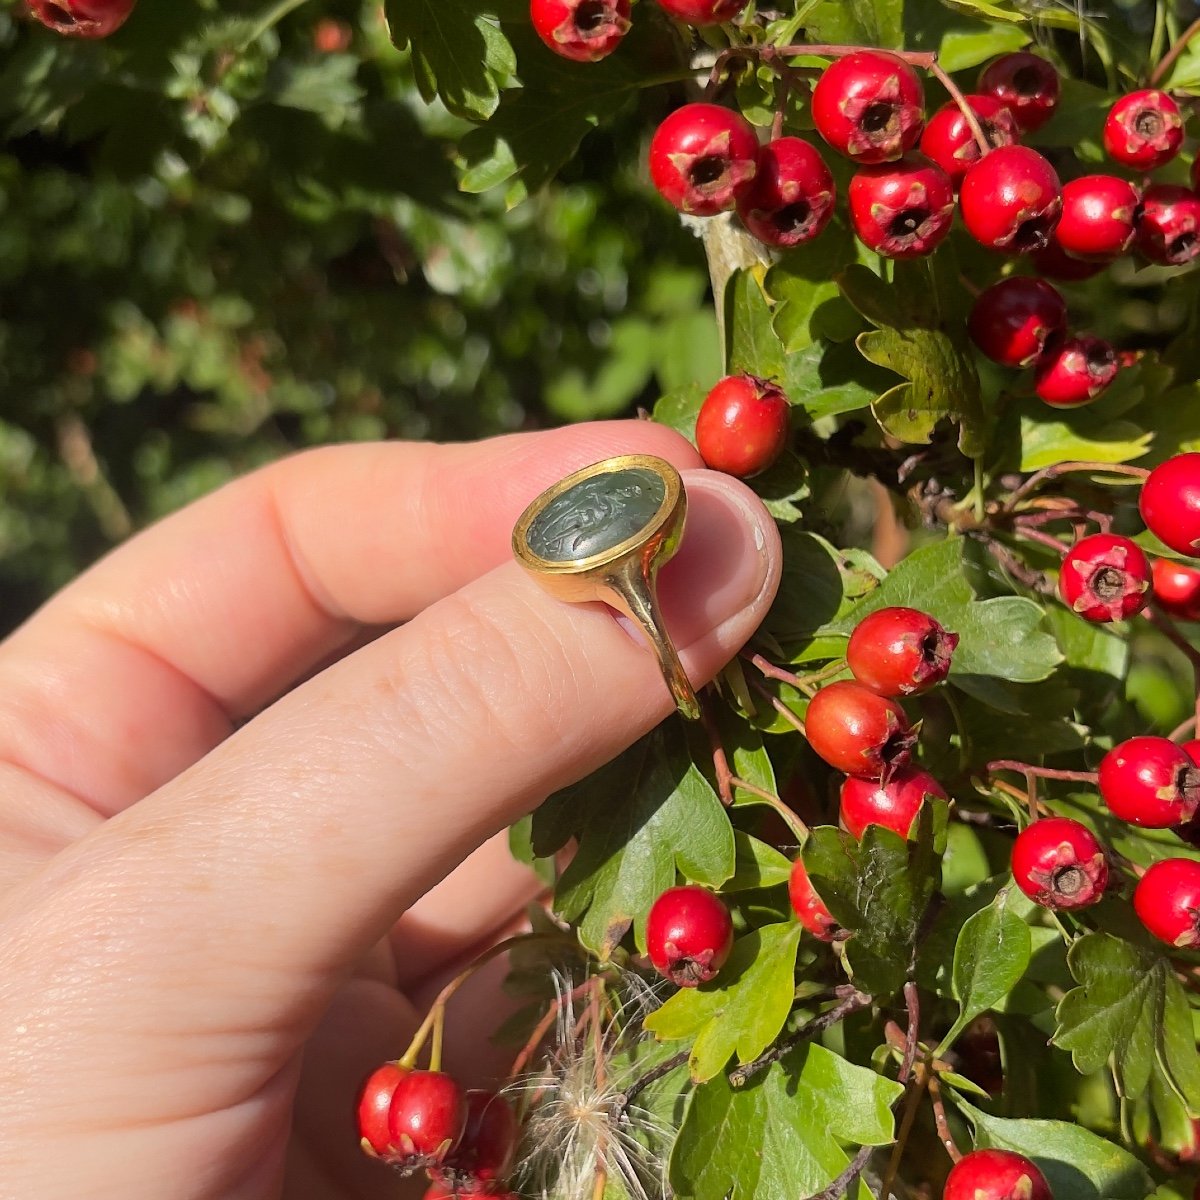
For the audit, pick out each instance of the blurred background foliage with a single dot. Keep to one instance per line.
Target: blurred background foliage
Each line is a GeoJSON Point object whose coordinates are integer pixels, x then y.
{"type": "Point", "coordinates": [235, 230]}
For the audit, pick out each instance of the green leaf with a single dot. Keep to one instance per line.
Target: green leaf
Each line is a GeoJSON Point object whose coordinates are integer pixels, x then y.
{"type": "Point", "coordinates": [1129, 1012]}
{"type": "Point", "coordinates": [1077, 1163]}
{"type": "Point", "coordinates": [623, 373]}
{"type": "Point", "coordinates": [990, 957]}
{"type": "Point", "coordinates": [781, 1135]}
{"type": "Point", "coordinates": [921, 337]}
{"type": "Point", "coordinates": [757, 865]}
{"type": "Point", "coordinates": [754, 346]}
{"type": "Point", "coordinates": [536, 129]}
{"type": "Point", "coordinates": [641, 818]}
{"type": "Point", "coordinates": [458, 52]}
{"type": "Point", "coordinates": [879, 889]}
{"type": "Point", "coordinates": [806, 295]}
{"type": "Point", "coordinates": [963, 49]}
{"type": "Point", "coordinates": [998, 637]}
{"type": "Point", "coordinates": [679, 410]}
{"type": "Point", "coordinates": [740, 1012]}
{"type": "Point", "coordinates": [1084, 436]}
{"type": "Point", "coordinates": [819, 586]}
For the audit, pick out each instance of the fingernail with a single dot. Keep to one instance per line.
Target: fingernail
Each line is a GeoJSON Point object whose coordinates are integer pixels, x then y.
{"type": "Point", "coordinates": [730, 552]}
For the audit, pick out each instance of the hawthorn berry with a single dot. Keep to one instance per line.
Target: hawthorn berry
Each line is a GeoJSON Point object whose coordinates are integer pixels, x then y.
{"type": "Point", "coordinates": [743, 425]}
{"type": "Point", "coordinates": [1012, 320]}
{"type": "Point", "coordinates": [1074, 369]}
{"type": "Point", "coordinates": [426, 1119]}
{"type": "Point", "coordinates": [332, 36]}
{"type": "Point", "coordinates": [995, 1175]}
{"type": "Point", "coordinates": [82, 18]}
{"type": "Point", "coordinates": [900, 651]}
{"type": "Point", "coordinates": [1170, 503]}
{"type": "Point", "coordinates": [374, 1104]}
{"type": "Point", "coordinates": [809, 908]}
{"type": "Point", "coordinates": [1143, 130]}
{"type": "Point", "coordinates": [1011, 200]}
{"type": "Point", "coordinates": [857, 731]}
{"type": "Point", "coordinates": [1176, 588]}
{"type": "Point", "coordinates": [869, 106]}
{"type": "Point", "coordinates": [902, 209]}
{"type": "Point", "coordinates": [1167, 901]}
{"type": "Point", "coordinates": [1055, 263]}
{"type": "Point", "coordinates": [893, 803]}
{"type": "Point", "coordinates": [702, 12]}
{"type": "Point", "coordinates": [1168, 225]}
{"type": "Point", "coordinates": [1150, 781]}
{"type": "Point", "coordinates": [1105, 577]}
{"type": "Point", "coordinates": [1098, 216]}
{"type": "Point", "coordinates": [1059, 864]}
{"type": "Point", "coordinates": [581, 30]}
{"type": "Point", "coordinates": [689, 935]}
{"type": "Point", "coordinates": [1027, 84]}
{"type": "Point", "coordinates": [484, 1154]}
{"type": "Point", "coordinates": [703, 158]}
{"type": "Point", "coordinates": [949, 142]}
{"type": "Point", "coordinates": [1192, 750]}
{"type": "Point", "coordinates": [791, 198]}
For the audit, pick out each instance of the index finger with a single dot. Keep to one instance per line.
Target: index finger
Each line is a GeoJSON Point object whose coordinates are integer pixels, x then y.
{"type": "Point", "coordinates": [144, 664]}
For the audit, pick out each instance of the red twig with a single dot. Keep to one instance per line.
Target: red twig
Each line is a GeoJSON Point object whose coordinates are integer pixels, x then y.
{"type": "Point", "coordinates": [1169, 59]}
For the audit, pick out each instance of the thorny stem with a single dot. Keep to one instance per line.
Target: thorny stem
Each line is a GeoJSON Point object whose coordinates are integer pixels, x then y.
{"type": "Point", "coordinates": [436, 1014]}
{"type": "Point", "coordinates": [1169, 59]}
{"type": "Point", "coordinates": [1036, 480]}
{"type": "Point", "coordinates": [855, 1001]}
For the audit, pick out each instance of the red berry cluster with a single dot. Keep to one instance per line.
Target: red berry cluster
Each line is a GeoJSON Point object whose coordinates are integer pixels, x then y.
{"type": "Point", "coordinates": [423, 1121]}
{"type": "Point", "coordinates": [859, 728]}
{"type": "Point", "coordinates": [1146, 781]}
{"type": "Point", "coordinates": [589, 30]}
{"type": "Point", "coordinates": [869, 106]}
{"type": "Point", "coordinates": [1107, 577]}
{"type": "Point", "coordinates": [82, 18]}
{"type": "Point", "coordinates": [1021, 321]}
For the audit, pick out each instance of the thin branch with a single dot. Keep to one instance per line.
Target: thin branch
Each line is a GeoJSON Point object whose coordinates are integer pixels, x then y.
{"type": "Point", "coordinates": [1036, 480]}
{"type": "Point", "coordinates": [639, 1085]}
{"type": "Point", "coordinates": [1170, 631]}
{"type": "Point", "coordinates": [1011, 764]}
{"type": "Point", "coordinates": [779, 706]}
{"type": "Point", "coordinates": [720, 759]}
{"type": "Point", "coordinates": [955, 93]}
{"type": "Point", "coordinates": [845, 1181]}
{"type": "Point", "coordinates": [853, 1003]}
{"type": "Point", "coordinates": [1036, 535]}
{"type": "Point", "coordinates": [1169, 59]}
{"type": "Point", "coordinates": [939, 1118]}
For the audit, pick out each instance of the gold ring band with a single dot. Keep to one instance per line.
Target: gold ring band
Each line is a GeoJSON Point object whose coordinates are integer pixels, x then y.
{"type": "Point", "coordinates": [602, 533]}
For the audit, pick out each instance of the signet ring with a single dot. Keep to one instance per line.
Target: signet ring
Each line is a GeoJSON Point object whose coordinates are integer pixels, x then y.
{"type": "Point", "coordinates": [602, 533]}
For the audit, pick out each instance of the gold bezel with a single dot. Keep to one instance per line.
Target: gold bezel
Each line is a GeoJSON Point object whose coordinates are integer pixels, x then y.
{"type": "Point", "coordinates": [671, 500]}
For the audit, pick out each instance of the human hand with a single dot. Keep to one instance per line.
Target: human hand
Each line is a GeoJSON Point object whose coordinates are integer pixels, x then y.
{"type": "Point", "coordinates": [207, 842]}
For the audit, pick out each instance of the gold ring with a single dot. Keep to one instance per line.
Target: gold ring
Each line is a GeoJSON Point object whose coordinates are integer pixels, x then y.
{"type": "Point", "coordinates": [602, 534]}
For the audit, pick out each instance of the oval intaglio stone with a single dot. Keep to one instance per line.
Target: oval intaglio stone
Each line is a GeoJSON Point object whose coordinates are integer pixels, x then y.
{"type": "Point", "coordinates": [597, 514]}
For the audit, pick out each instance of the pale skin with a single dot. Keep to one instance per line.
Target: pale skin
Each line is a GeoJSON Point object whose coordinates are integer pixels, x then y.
{"type": "Point", "coordinates": [254, 769]}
